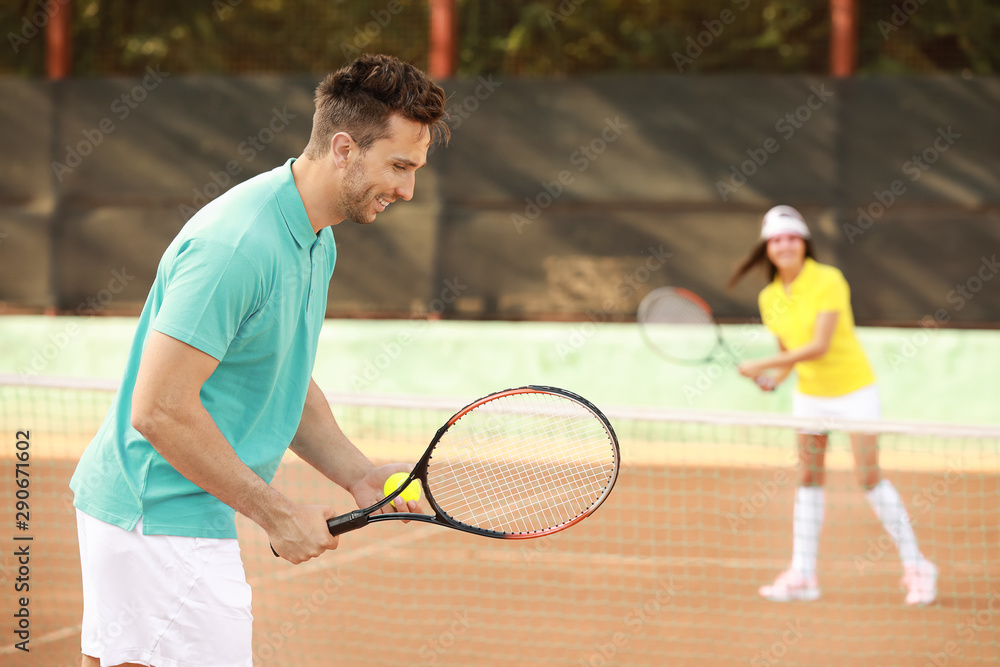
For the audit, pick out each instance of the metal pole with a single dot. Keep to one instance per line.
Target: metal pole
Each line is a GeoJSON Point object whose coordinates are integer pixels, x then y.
{"type": "Point", "coordinates": [442, 46]}
{"type": "Point", "coordinates": [58, 66]}
{"type": "Point", "coordinates": [59, 48]}
{"type": "Point", "coordinates": [843, 65]}
{"type": "Point", "coordinates": [843, 37]}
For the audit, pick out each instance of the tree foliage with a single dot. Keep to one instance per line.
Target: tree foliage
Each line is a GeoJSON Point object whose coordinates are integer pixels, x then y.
{"type": "Point", "coordinates": [930, 36]}
{"type": "Point", "coordinates": [530, 38]}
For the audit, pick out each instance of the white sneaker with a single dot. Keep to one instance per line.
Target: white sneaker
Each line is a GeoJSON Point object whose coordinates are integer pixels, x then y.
{"type": "Point", "coordinates": [920, 582]}
{"type": "Point", "coordinates": [791, 585]}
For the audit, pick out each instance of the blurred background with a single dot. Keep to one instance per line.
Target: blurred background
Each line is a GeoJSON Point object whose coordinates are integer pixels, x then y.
{"type": "Point", "coordinates": [119, 119]}
{"type": "Point", "coordinates": [600, 149]}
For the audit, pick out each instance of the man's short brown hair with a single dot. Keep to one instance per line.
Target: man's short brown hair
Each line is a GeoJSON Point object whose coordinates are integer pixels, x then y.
{"type": "Point", "coordinates": [359, 99]}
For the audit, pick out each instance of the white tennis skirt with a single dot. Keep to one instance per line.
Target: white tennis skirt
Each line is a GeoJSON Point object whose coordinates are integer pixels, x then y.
{"type": "Point", "coordinates": [163, 600]}
{"type": "Point", "coordinates": [861, 404]}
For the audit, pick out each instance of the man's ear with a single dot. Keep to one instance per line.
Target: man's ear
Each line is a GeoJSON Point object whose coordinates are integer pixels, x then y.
{"type": "Point", "coordinates": [341, 146]}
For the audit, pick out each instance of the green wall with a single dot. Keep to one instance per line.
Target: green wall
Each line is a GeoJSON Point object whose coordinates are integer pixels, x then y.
{"type": "Point", "coordinates": [925, 374]}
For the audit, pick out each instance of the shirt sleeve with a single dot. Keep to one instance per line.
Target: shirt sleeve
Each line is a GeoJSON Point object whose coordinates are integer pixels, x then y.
{"type": "Point", "coordinates": [834, 295]}
{"type": "Point", "coordinates": [211, 289]}
{"type": "Point", "coordinates": [764, 306]}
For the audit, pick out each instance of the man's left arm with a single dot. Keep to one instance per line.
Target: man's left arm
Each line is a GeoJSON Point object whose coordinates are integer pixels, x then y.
{"type": "Point", "coordinates": [321, 443]}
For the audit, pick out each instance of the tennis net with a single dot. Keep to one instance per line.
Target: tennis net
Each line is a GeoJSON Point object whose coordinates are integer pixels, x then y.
{"type": "Point", "coordinates": [666, 572]}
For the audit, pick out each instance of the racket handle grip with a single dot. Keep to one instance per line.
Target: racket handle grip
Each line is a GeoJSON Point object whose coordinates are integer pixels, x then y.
{"type": "Point", "coordinates": [344, 523]}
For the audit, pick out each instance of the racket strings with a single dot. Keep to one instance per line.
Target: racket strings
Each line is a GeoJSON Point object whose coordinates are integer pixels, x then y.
{"type": "Point", "coordinates": [518, 498]}
{"type": "Point", "coordinates": [678, 327]}
{"type": "Point", "coordinates": [522, 463]}
{"type": "Point", "coordinates": [672, 308]}
{"type": "Point", "coordinates": [512, 506]}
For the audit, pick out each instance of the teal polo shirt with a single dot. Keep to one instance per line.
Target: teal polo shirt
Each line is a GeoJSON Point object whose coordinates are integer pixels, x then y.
{"type": "Point", "coordinates": [246, 282]}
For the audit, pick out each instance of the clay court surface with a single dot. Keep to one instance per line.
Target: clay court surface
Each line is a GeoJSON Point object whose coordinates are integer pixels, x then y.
{"type": "Point", "coordinates": [657, 577]}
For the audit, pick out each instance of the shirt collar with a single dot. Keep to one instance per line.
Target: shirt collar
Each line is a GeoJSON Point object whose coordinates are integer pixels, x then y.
{"type": "Point", "coordinates": [293, 211]}
{"type": "Point", "coordinates": [805, 276]}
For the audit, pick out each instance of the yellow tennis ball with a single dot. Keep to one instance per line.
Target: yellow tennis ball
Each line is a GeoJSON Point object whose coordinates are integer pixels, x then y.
{"type": "Point", "coordinates": [412, 490]}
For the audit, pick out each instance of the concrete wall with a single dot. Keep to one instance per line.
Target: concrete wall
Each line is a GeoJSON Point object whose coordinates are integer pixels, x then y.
{"type": "Point", "coordinates": [925, 374]}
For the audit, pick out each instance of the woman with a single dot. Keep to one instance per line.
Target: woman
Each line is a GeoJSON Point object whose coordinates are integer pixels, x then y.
{"type": "Point", "coordinates": [807, 306]}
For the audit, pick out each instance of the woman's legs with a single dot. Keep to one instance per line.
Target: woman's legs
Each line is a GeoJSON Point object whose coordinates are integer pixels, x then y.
{"type": "Point", "coordinates": [884, 498]}
{"type": "Point", "coordinates": [920, 575]}
{"type": "Point", "coordinates": [810, 503]}
{"type": "Point", "coordinates": [865, 448]}
{"type": "Point", "coordinates": [799, 581]}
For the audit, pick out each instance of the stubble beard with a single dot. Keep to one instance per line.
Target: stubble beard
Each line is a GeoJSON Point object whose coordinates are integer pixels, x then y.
{"type": "Point", "coordinates": [355, 196]}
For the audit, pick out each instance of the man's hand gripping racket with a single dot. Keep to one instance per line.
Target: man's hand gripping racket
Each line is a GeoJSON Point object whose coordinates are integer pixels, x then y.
{"type": "Point", "coordinates": [516, 464]}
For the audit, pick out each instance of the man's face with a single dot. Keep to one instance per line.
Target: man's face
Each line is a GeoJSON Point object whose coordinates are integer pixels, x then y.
{"type": "Point", "coordinates": [385, 173]}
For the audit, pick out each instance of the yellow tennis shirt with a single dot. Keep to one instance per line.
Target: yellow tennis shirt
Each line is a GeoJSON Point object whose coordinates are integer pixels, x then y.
{"type": "Point", "coordinates": [791, 316]}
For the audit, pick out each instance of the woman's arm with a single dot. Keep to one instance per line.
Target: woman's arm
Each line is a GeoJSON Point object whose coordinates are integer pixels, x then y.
{"type": "Point", "coordinates": [770, 381]}
{"type": "Point", "coordinates": [826, 324]}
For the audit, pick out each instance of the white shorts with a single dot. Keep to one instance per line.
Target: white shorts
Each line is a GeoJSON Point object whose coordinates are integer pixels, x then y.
{"type": "Point", "coordinates": [861, 404]}
{"type": "Point", "coordinates": [162, 600]}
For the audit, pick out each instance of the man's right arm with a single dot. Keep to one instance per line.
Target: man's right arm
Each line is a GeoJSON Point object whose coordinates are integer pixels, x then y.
{"type": "Point", "coordinates": [167, 411]}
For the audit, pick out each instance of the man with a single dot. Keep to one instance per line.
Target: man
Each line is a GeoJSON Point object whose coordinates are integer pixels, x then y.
{"type": "Point", "coordinates": [217, 386]}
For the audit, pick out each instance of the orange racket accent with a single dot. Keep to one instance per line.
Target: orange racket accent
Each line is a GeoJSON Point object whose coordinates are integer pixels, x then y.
{"type": "Point", "coordinates": [694, 298]}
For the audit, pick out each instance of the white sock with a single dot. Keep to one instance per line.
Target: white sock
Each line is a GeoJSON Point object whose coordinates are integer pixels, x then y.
{"type": "Point", "coordinates": [889, 508]}
{"type": "Point", "coordinates": [808, 519]}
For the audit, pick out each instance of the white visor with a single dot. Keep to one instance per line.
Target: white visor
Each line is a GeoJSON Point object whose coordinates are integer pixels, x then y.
{"type": "Point", "coordinates": [783, 220]}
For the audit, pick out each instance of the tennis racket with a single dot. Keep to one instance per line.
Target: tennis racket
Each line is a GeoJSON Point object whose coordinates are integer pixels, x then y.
{"type": "Point", "coordinates": [516, 464]}
{"type": "Point", "coordinates": [679, 326]}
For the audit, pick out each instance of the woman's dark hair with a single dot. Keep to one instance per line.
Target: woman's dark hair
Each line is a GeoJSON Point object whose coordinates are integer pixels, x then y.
{"type": "Point", "coordinates": [359, 99]}
{"type": "Point", "coordinates": [758, 259]}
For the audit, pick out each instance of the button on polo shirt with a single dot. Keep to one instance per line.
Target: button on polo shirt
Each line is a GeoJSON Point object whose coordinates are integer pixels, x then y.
{"type": "Point", "coordinates": [246, 282]}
